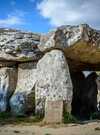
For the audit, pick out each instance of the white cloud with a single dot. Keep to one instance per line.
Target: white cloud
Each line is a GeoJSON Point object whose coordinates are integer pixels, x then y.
{"type": "Point", "coordinates": [61, 12]}
{"type": "Point", "coordinates": [10, 21]}
{"type": "Point", "coordinates": [15, 18]}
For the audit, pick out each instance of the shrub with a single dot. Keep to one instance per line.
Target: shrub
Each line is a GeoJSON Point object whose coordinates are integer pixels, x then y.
{"type": "Point", "coordinates": [68, 118]}
{"type": "Point", "coordinates": [95, 115]}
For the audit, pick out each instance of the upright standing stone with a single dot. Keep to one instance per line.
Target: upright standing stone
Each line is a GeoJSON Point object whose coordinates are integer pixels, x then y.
{"type": "Point", "coordinates": [22, 101]}
{"type": "Point", "coordinates": [53, 81]}
{"type": "Point", "coordinates": [8, 79]}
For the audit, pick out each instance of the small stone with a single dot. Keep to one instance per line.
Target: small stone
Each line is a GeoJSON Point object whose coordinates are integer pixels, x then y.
{"type": "Point", "coordinates": [53, 112]}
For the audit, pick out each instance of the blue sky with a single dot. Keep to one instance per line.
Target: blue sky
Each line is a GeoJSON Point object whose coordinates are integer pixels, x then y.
{"type": "Point", "coordinates": [43, 15]}
{"type": "Point", "coordinates": [22, 14]}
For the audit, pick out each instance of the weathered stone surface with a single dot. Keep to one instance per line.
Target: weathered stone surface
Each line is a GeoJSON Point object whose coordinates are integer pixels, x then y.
{"type": "Point", "coordinates": [23, 99]}
{"type": "Point", "coordinates": [81, 45]}
{"type": "Point", "coordinates": [98, 95]}
{"type": "Point", "coordinates": [8, 79]}
{"type": "Point", "coordinates": [17, 45]}
{"type": "Point", "coordinates": [98, 100]}
{"type": "Point", "coordinates": [53, 112]}
{"type": "Point", "coordinates": [53, 80]}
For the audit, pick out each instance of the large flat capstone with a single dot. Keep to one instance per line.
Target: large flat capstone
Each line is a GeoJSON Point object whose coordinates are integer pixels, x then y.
{"type": "Point", "coordinates": [81, 45]}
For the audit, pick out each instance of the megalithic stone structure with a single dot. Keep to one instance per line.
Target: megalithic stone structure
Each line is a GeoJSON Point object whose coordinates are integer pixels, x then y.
{"type": "Point", "coordinates": [53, 82]}
{"type": "Point", "coordinates": [67, 47]}
{"type": "Point", "coordinates": [18, 57]}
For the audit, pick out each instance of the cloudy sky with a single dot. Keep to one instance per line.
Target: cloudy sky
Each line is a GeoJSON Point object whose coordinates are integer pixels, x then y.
{"type": "Point", "coordinates": [42, 15]}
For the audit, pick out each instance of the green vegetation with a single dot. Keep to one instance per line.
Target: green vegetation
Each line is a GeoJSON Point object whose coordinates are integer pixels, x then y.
{"type": "Point", "coordinates": [26, 45]}
{"type": "Point", "coordinates": [25, 58]}
{"type": "Point", "coordinates": [68, 118]}
{"type": "Point", "coordinates": [18, 49]}
{"type": "Point", "coordinates": [97, 128]}
{"type": "Point", "coordinates": [6, 117]}
{"type": "Point", "coordinates": [47, 134]}
{"type": "Point", "coordinates": [95, 115]}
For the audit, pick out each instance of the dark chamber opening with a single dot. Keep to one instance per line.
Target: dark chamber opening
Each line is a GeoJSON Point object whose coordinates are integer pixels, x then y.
{"type": "Point", "coordinates": [84, 102]}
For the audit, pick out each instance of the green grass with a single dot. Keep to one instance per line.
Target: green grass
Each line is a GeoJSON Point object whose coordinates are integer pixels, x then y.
{"type": "Point", "coordinates": [6, 118]}
{"type": "Point", "coordinates": [47, 134]}
{"type": "Point", "coordinates": [95, 115]}
{"type": "Point", "coordinates": [68, 118]}
{"type": "Point", "coordinates": [18, 49]}
{"type": "Point", "coordinates": [4, 115]}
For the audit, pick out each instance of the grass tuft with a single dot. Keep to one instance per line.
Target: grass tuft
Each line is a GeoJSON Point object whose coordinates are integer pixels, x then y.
{"type": "Point", "coordinates": [68, 118]}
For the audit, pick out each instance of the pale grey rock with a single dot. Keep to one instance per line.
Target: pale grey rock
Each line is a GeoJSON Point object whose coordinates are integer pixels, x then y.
{"type": "Point", "coordinates": [98, 95]}
{"type": "Point", "coordinates": [17, 45]}
{"type": "Point", "coordinates": [8, 79]}
{"type": "Point", "coordinates": [23, 99]}
{"type": "Point", "coordinates": [67, 36]}
{"type": "Point", "coordinates": [81, 45]}
{"type": "Point", "coordinates": [53, 80]}
{"type": "Point", "coordinates": [98, 100]}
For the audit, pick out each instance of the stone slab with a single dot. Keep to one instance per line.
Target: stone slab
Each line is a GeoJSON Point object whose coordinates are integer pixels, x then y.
{"type": "Point", "coordinates": [53, 112]}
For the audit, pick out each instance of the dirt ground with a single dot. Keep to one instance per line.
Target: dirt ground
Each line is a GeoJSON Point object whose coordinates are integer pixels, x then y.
{"type": "Point", "coordinates": [92, 128]}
